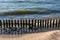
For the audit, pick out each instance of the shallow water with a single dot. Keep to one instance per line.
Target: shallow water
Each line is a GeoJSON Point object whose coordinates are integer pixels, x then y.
{"type": "Point", "coordinates": [33, 5]}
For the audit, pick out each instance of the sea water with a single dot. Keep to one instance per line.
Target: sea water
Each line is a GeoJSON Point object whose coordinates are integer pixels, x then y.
{"type": "Point", "coordinates": [53, 6]}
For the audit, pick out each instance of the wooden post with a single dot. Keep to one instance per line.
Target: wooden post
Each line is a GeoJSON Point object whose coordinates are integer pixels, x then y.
{"type": "Point", "coordinates": [50, 23]}
{"type": "Point", "coordinates": [45, 23]}
{"type": "Point", "coordinates": [15, 26]}
{"type": "Point", "coordinates": [1, 26]}
{"type": "Point", "coordinates": [35, 25]}
{"type": "Point", "coordinates": [32, 25]}
{"type": "Point", "coordinates": [56, 23]}
{"type": "Point", "coordinates": [29, 24]}
{"type": "Point", "coordinates": [21, 25]}
{"type": "Point", "coordinates": [53, 23]}
{"type": "Point", "coordinates": [18, 25]}
{"type": "Point", "coordinates": [15, 23]}
{"type": "Point", "coordinates": [26, 25]}
{"type": "Point", "coordinates": [12, 24]}
{"type": "Point", "coordinates": [59, 24]}
{"type": "Point", "coordinates": [41, 26]}
{"type": "Point", "coordinates": [38, 23]}
{"type": "Point", "coordinates": [9, 25]}
{"type": "Point", "coordinates": [4, 25]}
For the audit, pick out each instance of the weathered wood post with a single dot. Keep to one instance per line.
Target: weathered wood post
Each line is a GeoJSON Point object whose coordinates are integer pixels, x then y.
{"type": "Point", "coordinates": [44, 23]}
{"type": "Point", "coordinates": [21, 25]}
{"type": "Point", "coordinates": [55, 23]}
{"type": "Point", "coordinates": [47, 23]}
{"type": "Point", "coordinates": [29, 24]}
{"type": "Point", "coordinates": [59, 23]}
{"type": "Point", "coordinates": [18, 25]}
{"type": "Point", "coordinates": [50, 23]}
{"type": "Point", "coordinates": [15, 26]}
{"type": "Point", "coordinates": [38, 23]}
{"type": "Point", "coordinates": [32, 25]}
{"type": "Point", "coordinates": [26, 25]}
{"type": "Point", "coordinates": [6, 23]}
{"type": "Point", "coordinates": [35, 25]}
{"type": "Point", "coordinates": [4, 26]}
{"type": "Point", "coordinates": [0, 26]}
{"type": "Point", "coordinates": [9, 26]}
{"type": "Point", "coordinates": [41, 26]}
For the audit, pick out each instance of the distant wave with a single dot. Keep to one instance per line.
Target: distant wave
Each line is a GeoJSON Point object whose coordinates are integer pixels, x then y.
{"type": "Point", "coordinates": [12, 1]}
{"type": "Point", "coordinates": [24, 12]}
{"type": "Point", "coordinates": [45, 10]}
{"type": "Point", "coordinates": [27, 2]}
{"type": "Point", "coordinates": [29, 12]}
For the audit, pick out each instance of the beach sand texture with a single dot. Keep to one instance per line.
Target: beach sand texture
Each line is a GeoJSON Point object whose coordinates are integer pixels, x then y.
{"type": "Point", "coordinates": [49, 35]}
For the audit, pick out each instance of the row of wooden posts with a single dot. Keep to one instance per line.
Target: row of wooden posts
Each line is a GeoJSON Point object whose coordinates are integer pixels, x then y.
{"type": "Point", "coordinates": [29, 24]}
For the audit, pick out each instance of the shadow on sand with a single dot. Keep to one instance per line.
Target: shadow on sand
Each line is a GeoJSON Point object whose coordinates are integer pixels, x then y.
{"type": "Point", "coordinates": [20, 35]}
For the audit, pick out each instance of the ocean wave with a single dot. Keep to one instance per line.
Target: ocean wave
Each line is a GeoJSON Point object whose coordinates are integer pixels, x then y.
{"type": "Point", "coordinates": [29, 1]}
{"type": "Point", "coordinates": [24, 12]}
{"type": "Point", "coordinates": [29, 12]}
{"type": "Point", "coordinates": [39, 2]}
{"type": "Point", "coordinates": [45, 9]}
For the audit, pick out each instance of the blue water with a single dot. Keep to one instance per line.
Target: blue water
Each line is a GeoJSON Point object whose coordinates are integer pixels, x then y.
{"type": "Point", "coordinates": [53, 6]}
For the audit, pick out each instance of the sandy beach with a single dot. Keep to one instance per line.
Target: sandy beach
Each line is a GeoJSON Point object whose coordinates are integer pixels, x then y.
{"type": "Point", "coordinates": [49, 35]}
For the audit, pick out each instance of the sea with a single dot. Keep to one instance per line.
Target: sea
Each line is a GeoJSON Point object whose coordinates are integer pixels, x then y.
{"type": "Point", "coordinates": [51, 7]}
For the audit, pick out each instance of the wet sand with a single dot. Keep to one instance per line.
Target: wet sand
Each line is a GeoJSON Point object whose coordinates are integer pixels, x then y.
{"type": "Point", "coordinates": [49, 35]}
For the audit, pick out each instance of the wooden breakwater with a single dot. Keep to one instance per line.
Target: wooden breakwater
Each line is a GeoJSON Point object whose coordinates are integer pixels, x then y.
{"type": "Point", "coordinates": [27, 25]}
